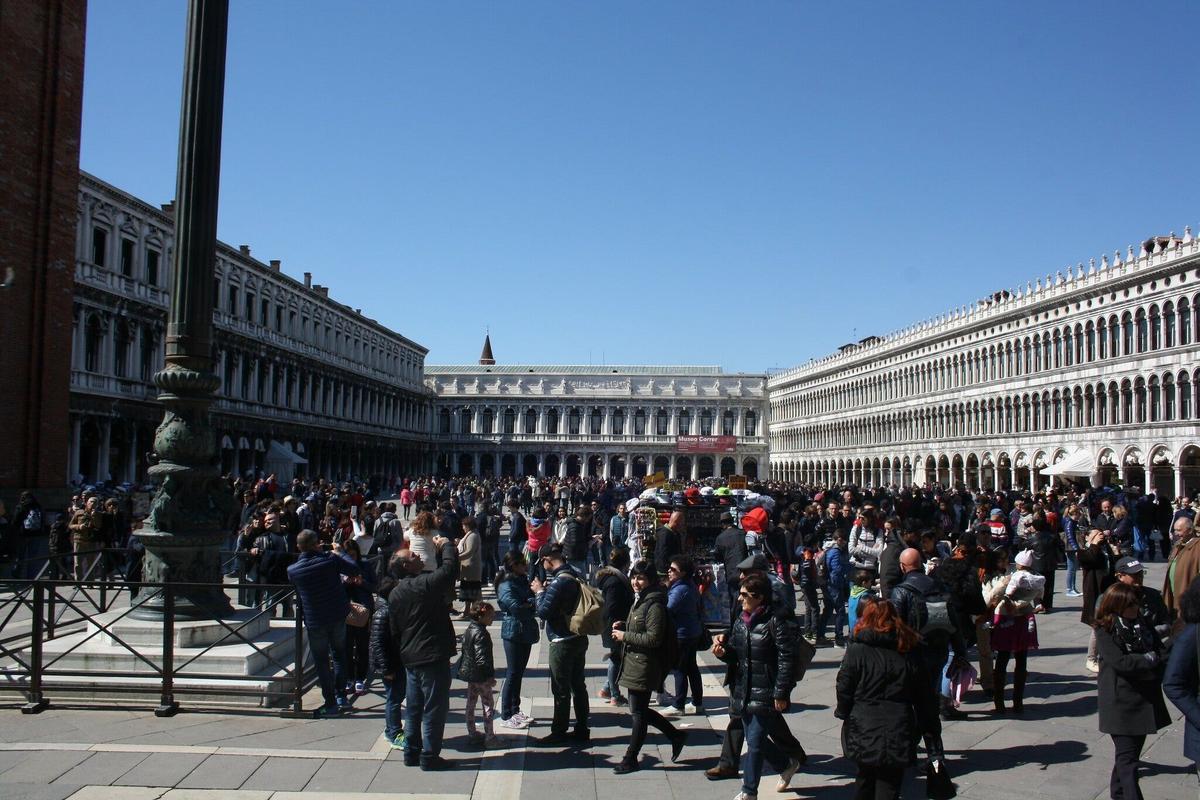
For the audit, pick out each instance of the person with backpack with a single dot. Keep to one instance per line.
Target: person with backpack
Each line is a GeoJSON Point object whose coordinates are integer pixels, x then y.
{"type": "Point", "coordinates": [925, 605]}
{"type": "Point", "coordinates": [558, 603]}
{"type": "Point", "coordinates": [647, 636]}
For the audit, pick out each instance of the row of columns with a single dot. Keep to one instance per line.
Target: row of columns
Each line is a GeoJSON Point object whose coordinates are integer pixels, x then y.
{"type": "Point", "coordinates": [458, 414]}
{"type": "Point", "coordinates": [690, 463]}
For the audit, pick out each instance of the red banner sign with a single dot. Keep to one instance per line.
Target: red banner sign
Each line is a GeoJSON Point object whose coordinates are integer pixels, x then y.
{"type": "Point", "coordinates": [705, 444]}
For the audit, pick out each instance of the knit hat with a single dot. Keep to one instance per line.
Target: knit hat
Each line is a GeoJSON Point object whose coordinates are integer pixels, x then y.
{"type": "Point", "coordinates": [1024, 558]}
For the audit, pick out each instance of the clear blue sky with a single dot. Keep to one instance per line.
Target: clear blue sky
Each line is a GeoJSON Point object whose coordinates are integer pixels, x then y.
{"type": "Point", "coordinates": [743, 184]}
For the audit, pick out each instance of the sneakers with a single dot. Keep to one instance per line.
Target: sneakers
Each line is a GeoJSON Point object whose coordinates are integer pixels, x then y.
{"type": "Point", "coordinates": [345, 704]}
{"type": "Point", "coordinates": [513, 724]}
{"type": "Point", "coordinates": [693, 709]}
{"type": "Point", "coordinates": [360, 688]}
{"type": "Point", "coordinates": [524, 719]}
{"type": "Point", "coordinates": [1073, 593]}
{"type": "Point", "coordinates": [1093, 665]}
{"type": "Point", "coordinates": [785, 777]}
{"type": "Point", "coordinates": [745, 796]}
{"type": "Point", "coordinates": [328, 711]}
{"type": "Point", "coordinates": [398, 742]}
{"type": "Point", "coordinates": [672, 711]}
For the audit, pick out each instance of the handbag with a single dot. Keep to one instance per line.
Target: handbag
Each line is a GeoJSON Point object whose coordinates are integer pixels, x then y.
{"type": "Point", "coordinates": [938, 785]}
{"type": "Point", "coordinates": [358, 616]}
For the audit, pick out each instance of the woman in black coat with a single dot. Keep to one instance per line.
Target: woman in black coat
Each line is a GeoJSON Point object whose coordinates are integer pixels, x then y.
{"type": "Point", "coordinates": [885, 698]}
{"type": "Point", "coordinates": [1131, 697]}
{"type": "Point", "coordinates": [760, 650]}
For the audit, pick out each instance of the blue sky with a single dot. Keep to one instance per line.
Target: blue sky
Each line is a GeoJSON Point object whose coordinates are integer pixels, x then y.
{"type": "Point", "coordinates": [743, 184]}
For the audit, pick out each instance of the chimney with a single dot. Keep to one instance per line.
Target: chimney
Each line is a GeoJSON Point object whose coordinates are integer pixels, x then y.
{"type": "Point", "coordinates": [321, 290]}
{"type": "Point", "coordinates": [245, 249]}
{"type": "Point", "coordinates": [275, 264]}
{"type": "Point", "coordinates": [308, 280]}
{"type": "Point", "coordinates": [169, 208]}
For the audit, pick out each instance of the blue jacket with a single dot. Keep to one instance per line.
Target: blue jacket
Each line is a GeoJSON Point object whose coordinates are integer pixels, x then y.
{"type": "Point", "coordinates": [557, 603]}
{"type": "Point", "coordinates": [317, 578]}
{"type": "Point", "coordinates": [516, 601]}
{"type": "Point", "coordinates": [837, 568]}
{"type": "Point", "coordinates": [1181, 684]}
{"type": "Point", "coordinates": [683, 604]}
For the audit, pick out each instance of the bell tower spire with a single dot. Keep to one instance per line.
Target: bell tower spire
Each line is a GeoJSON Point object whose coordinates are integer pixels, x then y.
{"type": "Point", "coordinates": [485, 358]}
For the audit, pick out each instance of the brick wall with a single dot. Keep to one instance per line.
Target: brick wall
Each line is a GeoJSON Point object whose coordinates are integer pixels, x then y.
{"type": "Point", "coordinates": [41, 94]}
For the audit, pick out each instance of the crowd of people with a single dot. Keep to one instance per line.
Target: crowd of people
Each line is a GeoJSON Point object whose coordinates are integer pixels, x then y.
{"type": "Point", "coordinates": [927, 591]}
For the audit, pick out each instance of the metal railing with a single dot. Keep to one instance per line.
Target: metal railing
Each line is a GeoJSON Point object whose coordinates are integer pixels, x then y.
{"type": "Point", "coordinates": [36, 612]}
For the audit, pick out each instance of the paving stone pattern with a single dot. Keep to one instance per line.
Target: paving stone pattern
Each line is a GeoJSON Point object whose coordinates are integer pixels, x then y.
{"type": "Point", "coordinates": [1053, 751]}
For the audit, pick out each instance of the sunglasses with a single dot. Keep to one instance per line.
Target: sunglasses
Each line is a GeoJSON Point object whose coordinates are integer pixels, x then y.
{"type": "Point", "coordinates": [746, 594]}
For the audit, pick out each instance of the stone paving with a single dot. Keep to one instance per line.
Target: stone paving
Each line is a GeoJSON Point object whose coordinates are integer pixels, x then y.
{"type": "Point", "coordinates": [1054, 751]}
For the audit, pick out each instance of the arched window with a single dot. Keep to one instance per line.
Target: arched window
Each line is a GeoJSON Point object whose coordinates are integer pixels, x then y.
{"type": "Point", "coordinates": [1168, 393]}
{"type": "Point", "coordinates": [661, 422]}
{"type": "Point", "coordinates": [618, 422]}
{"type": "Point", "coordinates": [685, 422]}
{"type": "Point", "coordinates": [488, 423]}
{"type": "Point", "coordinates": [1126, 403]}
{"type": "Point", "coordinates": [750, 424]}
{"type": "Point", "coordinates": [1114, 336]}
{"type": "Point", "coordinates": [1155, 328]}
{"type": "Point", "coordinates": [1037, 354]}
{"type": "Point", "coordinates": [727, 421]}
{"type": "Point", "coordinates": [1090, 333]}
{"type": "Point", "coordinates": [552, 422]}
{"type": "Point", "coordinates": [1143, 334]}
{"type": "Point", "coordinates": [510, 421]}
{"type": "Point", "coordinates": [1185, 396]}
{"type": "Point", "coordinates": [1127, 333]}
{"type": "Point", "coordinates": [1168, 316]}
{"type": "Point", "coordinates": [530, 421]}
{"type": "Point", "coordinates": [1185, 322]}
{"type": "Point", "coordinates": [1155, 399]}
{"type": "Point", "coordinates": [1139, 392]}
{"type": "Point", "coordinates": [1101, 405]}
{"type": "Point", "coordinates": [1102, 335]}
{"type": "Point", "coordinates": [93, 343]}
{"type": "Point", "coordinates": [639, 422]}
{"type": "Point", "coordinates": [444, 426]}
{"type": "Point", "coordinates": [1058, 350]}
{"type": "Point", "coordinates": [574, 417]}
{"type": "Point", "coordinates": [596, 422]}
{"type": "Point", "coordinates": [706, 422]}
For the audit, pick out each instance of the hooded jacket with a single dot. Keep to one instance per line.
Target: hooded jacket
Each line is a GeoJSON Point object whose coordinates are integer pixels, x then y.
{"type": "Point", "coordinates": [642, 666]}
{"type": "Point", "coordinates": [761, 659]}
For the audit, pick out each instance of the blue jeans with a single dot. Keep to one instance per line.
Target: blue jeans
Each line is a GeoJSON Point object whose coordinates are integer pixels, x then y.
{"type": "Point", "coordinates": [516, 655]}
{"type": "Point", "coordinates": [393, 696]}
{"type": "Point", "coordinates": [614, 663]}
{"type": "Point", "coordinates": [428, 702]}
{"type": "Point", "coordinates": [834, 606]}
{"type": "Point", "coordinates": [1072, 567]}
{"type": "Point", "coordinates": [328, 643]}
{"type": "Point", "coordinates": [1139, 543]}
{"type": "Point", "coordinates": [758, 749]}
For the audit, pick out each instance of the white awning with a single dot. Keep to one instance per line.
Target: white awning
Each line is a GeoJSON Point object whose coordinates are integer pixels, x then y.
{"type": "Point", "coordinates": [283, 452]}
{"type": "Point", "coordinates": [258, 445]}
{"type": "Point", "coordinates": [226, 443]}
{"type": "Point", "coordinates": [1080, 464]}
{"type": "Point", "coordinates": [243, 443]}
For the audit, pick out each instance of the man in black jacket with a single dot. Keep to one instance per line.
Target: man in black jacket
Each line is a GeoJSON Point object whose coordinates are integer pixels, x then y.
{"type": "Point", "coordinates": [518, 534]}
{"type": "Point", "coordinates": [578, 539]}
{"type": "Point", "coordinates": [421, 623]}
{"type": "Point", "coordinates": [556, 603]}
{"type": "Point", "coordinates": [668, 542]}
{"type": "Point", "coordinates": [730, 550]}
{"type": "Point", "coordinates": [889, 560]}
{"type": "Point", "coordinates": [618, 600]}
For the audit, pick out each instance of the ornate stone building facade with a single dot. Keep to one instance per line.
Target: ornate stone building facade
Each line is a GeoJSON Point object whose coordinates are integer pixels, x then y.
{"type": "Point", "coordinates": [307, 383]}
{"type": "Point", "coordinates": [602, 421]}
{"type": "Point", "coordinates": [1097, 368]}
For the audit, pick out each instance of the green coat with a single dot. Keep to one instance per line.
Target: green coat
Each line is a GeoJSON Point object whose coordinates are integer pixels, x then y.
{"type": "Point", "coordinates": [642, 666]}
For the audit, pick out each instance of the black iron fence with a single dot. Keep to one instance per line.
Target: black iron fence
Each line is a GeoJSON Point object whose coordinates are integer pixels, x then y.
{"type": "Point", "coordinates": [46, 609]}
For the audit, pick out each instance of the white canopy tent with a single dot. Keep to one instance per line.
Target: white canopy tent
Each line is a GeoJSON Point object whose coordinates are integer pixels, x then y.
{"type": "Point", "coordinates": [282, 461]}
{"type": "Point", "coordinates": [1079, 464]}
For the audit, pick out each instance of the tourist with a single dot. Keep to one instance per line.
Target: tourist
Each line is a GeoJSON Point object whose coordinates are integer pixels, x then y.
{"type": "Point", "coordinates": [360, 587]}
{"type": "Point", "coordinates": [385, 660]}
{"type": "Point", "coordinates": [578, 539]}
{"type": "Point", "coordinates": [1181, 682]}
{"type": "Point", "coordinates": [422, 540]}
{"type": "Point", "coordinates": [760, 651]}
{"type": "Point", "coordinates": [269, 560]}
{"type": "Point", "coordinates": [1073, 530]}
{"type": "Point", "coordinates": [1184, 564]}
{"type": "Point", "coordinates": [1016, 598]}
{"type": "Point", "coordinates": [618, 527]}
{"type": "Point", "coordinates": [421, 622]}
{"type": "Point", "coordinates": [1130, 685]}
{"type": "Point", "coordinates": [325, 606]}
{"type": "Point", "coordinates": [477, 667]}
{"type": "Point", "coordinates": [960, 575]}
{"type": "Point", "coordinates": [866, 542]}
{"type": "Point", "coordinates": [729, 550]}
{"type": "Point", "coordinates": [519, 633]}
{"type": "Point", "coordinates": [835, 559]}
{"type": "Point", "coordinates": [568, 651]}
{"type": "Point", "coordinates": [885, 700]}
{"type": "Point", "coordinates": [668, 541]}
{"type": "Point", "coordinates": [85, 537]}
{"type": "Point", "coordinates": [1097, 557]}
{"type": "Point", "coordinates": [860, 591]}
{"type": "Point", "coordinates": [683, 610]}
{"type": "Point", "coordinates": [645, 635]}
{"type": "Point", "coordinates": [406, 501]}
{"type": "Point", "coordinates": [470, 563]}
{"type": "Point", "coordinates": [617, 592]}
{"type": "Point", "coordinates": [517, 531]}
{"type": "Point", "coordinates": [898, 538]}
